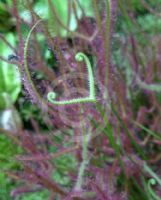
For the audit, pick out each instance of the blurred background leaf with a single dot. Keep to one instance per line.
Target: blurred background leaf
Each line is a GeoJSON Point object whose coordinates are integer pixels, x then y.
{"type": "Point", "coordinates": [7, 23]}
{"type": "Point", "coordinates": [10, 82]}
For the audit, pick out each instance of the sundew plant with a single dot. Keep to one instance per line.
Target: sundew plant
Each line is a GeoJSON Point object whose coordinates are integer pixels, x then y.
{"type": "Point", "coordinates": [87, 96]}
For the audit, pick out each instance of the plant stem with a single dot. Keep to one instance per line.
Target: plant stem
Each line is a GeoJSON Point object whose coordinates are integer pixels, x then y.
{"type": "Point", "coordinates": [85, 161]}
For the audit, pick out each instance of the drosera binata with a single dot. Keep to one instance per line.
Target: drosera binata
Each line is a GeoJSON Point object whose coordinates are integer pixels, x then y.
{"type": "Point", "coordinates": [91, 98]}
{"type": "Point", "coordinates": [52, 95]}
